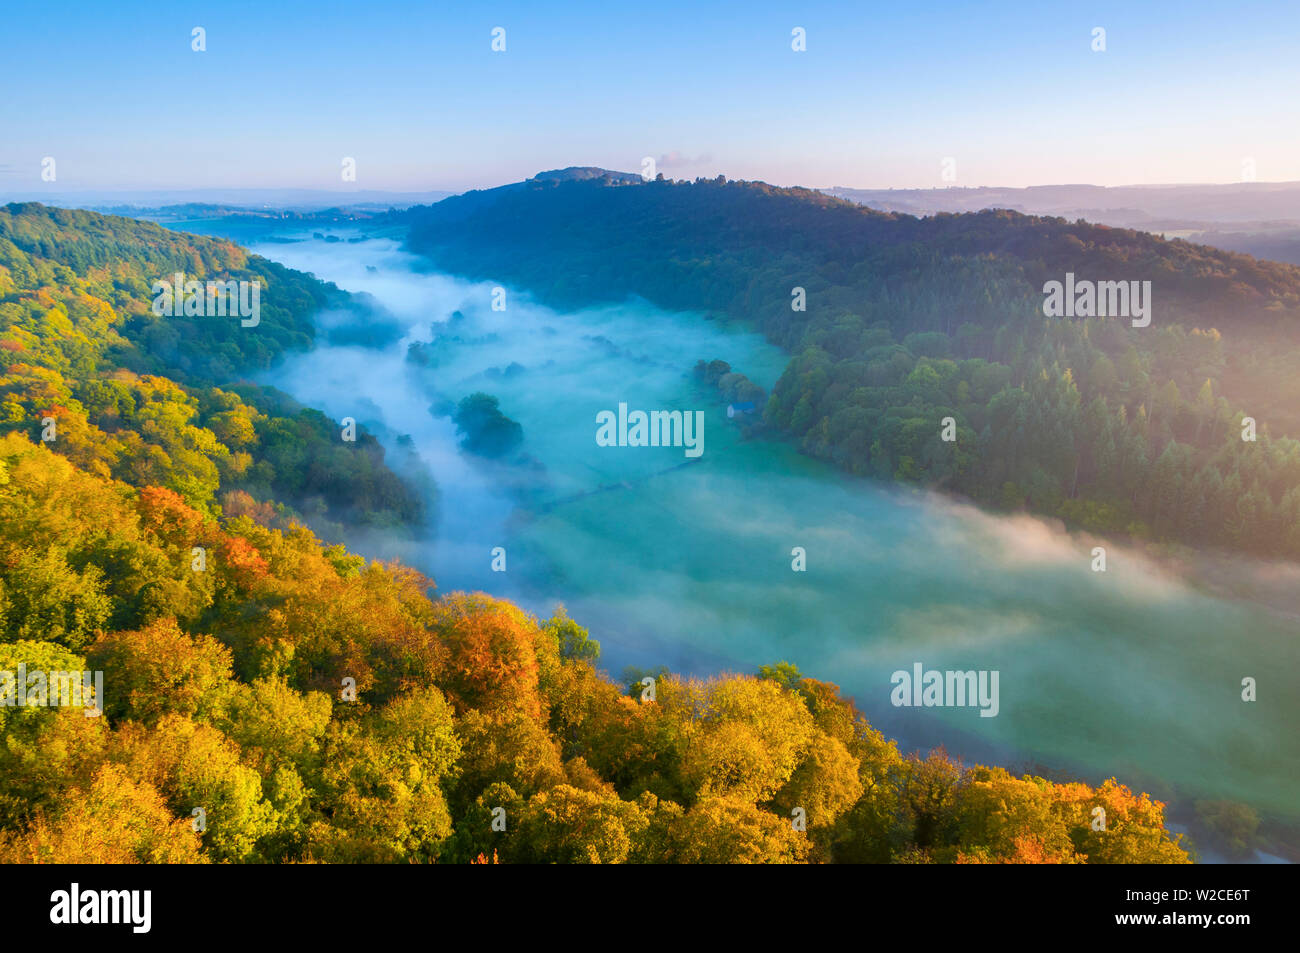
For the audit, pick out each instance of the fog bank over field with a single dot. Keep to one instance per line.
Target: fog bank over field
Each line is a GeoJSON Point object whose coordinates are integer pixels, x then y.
{"type": "Point", "coordinates": [688, 564]}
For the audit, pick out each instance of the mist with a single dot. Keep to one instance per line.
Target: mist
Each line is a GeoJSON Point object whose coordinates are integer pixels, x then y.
{"type": "Point", "coordinates": [1134, 672]}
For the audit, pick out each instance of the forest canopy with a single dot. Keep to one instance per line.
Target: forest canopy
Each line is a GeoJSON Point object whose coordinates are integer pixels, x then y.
{"type": "Point", "coordinates": [164, 401]}
{"type": "Point", "coordinates": [271, 697]}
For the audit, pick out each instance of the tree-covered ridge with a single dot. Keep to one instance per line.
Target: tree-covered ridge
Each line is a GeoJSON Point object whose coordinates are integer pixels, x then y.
{"type": "Point", "coordinates": [712, 244]}
{"type": "Point", "coordinates": [912, 321]}
{"type": "Point", "coordinates": [135, 395]}
{"type": "Point", "coordinates": [228, 689]}
{"type": "Point", "coordinates": [115, 260]}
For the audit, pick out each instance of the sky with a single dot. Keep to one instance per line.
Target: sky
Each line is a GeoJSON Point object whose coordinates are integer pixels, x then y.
{"type": "Point", "coordinates": [1012, 92]}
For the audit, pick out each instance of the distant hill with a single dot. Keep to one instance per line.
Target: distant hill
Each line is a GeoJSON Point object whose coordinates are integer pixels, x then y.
{"type": "Point", "coordinates": [1256, 218]}
{"type": "Point", "coordinates": [1276, 242]}
{"type": "Point", "coordinates": [1150, 207]}
{"type": "Point", "coordinates": [301, 200]}
{"type": "Point", "coordinates": [582, 173]}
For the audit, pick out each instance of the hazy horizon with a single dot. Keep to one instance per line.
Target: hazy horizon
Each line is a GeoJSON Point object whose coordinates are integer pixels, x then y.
{"type": "Point", "coordinates": [1003, 95]}
{"type": "Point", "coordinates": [285, 195]}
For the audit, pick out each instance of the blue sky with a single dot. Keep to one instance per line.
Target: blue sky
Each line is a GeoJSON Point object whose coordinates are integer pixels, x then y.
{"type": "Point", "coordinates": [1012, 91]}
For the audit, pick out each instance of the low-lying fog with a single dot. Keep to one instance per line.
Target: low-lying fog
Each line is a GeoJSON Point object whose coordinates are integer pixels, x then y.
{"type": "Point", "coordinates": [1129, 672]}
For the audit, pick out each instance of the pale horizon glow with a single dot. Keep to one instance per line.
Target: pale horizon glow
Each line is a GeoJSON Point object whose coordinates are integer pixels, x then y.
{"type": "Point", "coordinates": [1013, 93]}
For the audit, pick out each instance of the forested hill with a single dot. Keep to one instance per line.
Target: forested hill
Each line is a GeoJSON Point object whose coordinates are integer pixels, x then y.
{"type": "Point", "coordinates": [712, 244]}
{"type": "Point", "coordinates": [89, 370]}
{"type": "Point", "coordinates": [118, 258]}
{"type": "Point", "coordinates": [909, 321]}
